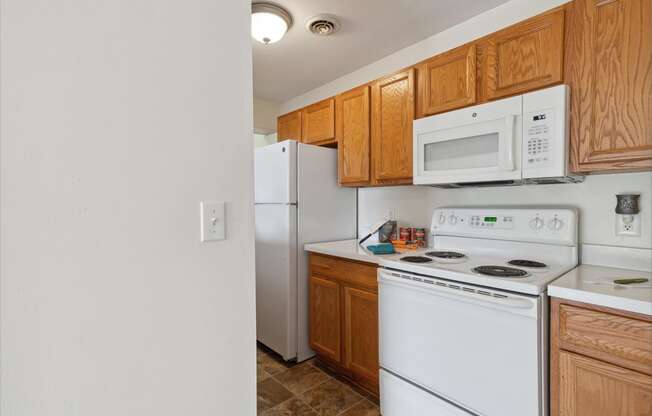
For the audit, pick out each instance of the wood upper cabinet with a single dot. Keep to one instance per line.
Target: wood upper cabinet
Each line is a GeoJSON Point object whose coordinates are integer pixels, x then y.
{"type": "Point", "coordinates": [353, 136]}
{"type": "Point", "coordinates": [318, 122]}
{"type": "Point", "coordinates": [609, 70]}
{"type": "Point", "coordinates": [288, 126]}
{"type": "Point", "coordinates": [392, 102]}
{"type": "Point", "coordinates": [447, 81]}
{"type": "Point", "coordinates": [592, 388]}
{"type": "Point", "coordinates": [600, 361]}
{"type": "Point", "coordinates": [524, 57]}
{"type": "Point", "coordinates": [325, 327]}
{"type": "Point", "coordinates": [361, 333]}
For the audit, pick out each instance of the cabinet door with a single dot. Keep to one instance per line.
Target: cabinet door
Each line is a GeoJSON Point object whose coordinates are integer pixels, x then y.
{"type": "Point", "coordinates": [289, 126]}
{"type": "Point", "coordinates": [447, 81]}
{"type": "Point", "coordinates": [609, 70]}
{"type": "Point", "coordinates": [325, 329]}
{"type": "Point", "coordinates": [361, 335]}
{"type": "Point", "coordinates": [590, 387]}
{"type": "Point", "coordinates": [392, 101]}
{"type": "Point", "coordinates": [353, 140]}
{"type": "Point", "coordinates": [319, 122]}
{"type": "Point", "coordinates": [526, 56]}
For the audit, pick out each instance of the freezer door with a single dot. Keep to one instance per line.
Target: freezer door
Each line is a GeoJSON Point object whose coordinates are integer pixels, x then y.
{"type": "Point", "coordinates": [276, 277]}
{"type": "Point", "coordinates": [276, 173]}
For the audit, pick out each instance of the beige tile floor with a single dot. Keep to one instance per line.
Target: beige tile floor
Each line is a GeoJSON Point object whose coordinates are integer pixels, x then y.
{"type": "Point", "coordinates": [306, 390]}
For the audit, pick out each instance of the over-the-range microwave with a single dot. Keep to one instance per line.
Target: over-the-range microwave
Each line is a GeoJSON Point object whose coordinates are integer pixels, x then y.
{"type": "Point", "coordinates": [521, 139]}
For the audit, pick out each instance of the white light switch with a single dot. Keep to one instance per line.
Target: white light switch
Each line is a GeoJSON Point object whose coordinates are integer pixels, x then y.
{"type": "Point", "coordinates": [213, 221]}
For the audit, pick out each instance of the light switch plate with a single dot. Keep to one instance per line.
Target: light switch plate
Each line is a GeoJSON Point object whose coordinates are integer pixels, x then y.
{"type": "Point", "coordinates": [213, 221]}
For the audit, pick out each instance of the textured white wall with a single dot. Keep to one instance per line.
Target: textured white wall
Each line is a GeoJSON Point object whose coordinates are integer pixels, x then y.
{"type": "Point", "coordinates": [595, 198]}
{"type": "Point", "coordinates": [265, 113]}
{"type": "Point", "coordinates": [118, 117]}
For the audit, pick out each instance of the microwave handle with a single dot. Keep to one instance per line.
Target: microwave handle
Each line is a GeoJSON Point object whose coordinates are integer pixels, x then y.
{"type": "Point", "coordinates": [508, 156]}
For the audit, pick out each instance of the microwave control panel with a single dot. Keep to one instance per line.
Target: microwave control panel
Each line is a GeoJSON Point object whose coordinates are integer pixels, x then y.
{"type": "Point", "coordinates": [539, 127]}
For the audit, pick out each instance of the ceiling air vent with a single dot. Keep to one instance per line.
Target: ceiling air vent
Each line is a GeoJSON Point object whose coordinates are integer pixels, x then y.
{"type": "Point", "coordinates": [323, 24]}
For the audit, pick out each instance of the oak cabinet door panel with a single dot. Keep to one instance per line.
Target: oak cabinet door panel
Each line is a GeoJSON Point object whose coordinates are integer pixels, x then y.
{"type": "Point", "coordinates": [392, 101]}
{"type": "Point", "coordinates": [353, 136]}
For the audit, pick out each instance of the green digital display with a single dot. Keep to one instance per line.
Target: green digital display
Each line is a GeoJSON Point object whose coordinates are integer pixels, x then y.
{"type": "Point", "coordinates": [490, 219]}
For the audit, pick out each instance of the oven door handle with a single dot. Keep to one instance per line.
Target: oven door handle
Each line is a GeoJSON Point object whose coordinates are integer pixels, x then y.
{"type": "Point", "coordinates": [518, 305]}
{"type": "Point", "coordinates": [507, 162]}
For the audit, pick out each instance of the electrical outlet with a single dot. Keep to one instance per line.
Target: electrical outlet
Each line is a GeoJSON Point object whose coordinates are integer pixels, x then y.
{"type": "Point", "coordinates": [213, 221]}
{"type": "Point", "coordinates": [391, 214]}
{"type": "Point", "coordinates": [628, 225]}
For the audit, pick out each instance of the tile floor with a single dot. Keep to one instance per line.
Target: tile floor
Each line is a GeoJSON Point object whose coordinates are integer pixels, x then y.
{"type": "Point", "coordinates": [305, 389]}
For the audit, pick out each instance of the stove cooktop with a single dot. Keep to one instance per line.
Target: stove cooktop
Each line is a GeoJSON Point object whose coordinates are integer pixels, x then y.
{"type": "Point", "coordinates": [501, 271]}
{"type": "Point", "coordinates": [528, 263]}
{"type": "Point", "coordinates": [449, 255]}
{"type": "Point", "coordinates": [416, 259]}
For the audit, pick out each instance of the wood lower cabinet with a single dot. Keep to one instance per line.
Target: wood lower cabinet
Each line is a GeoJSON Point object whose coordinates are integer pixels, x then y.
{"type": "Point", "coordinates": [288, 127]}
{"type": "Point", "coordinates": [600, 361]}
{"type": "Point", "coordinates": [361, 333]}
{"type": "Point", "coordinates": [325, 312]}
{"type": "Point", "coordinates": [344, 318]}
{"type": "Point", "coordinates": [589, 387]}
{"type": "Point", "coordinates": [447, 81]}
{"type": "Point", "coordinates": [318, 122]}
{"type": "Point", "coordinates": [609, 70]}
{"type": "Point", "coordinates": [392, 103]}
{"type": "Point", "coordinates": [524, 57]}
{"type": "Point", "coordinates": [353, 131]}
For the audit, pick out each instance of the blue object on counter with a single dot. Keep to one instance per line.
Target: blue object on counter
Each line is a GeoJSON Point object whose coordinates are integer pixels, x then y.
{"type": "Point", "coordinates": [382, 248]}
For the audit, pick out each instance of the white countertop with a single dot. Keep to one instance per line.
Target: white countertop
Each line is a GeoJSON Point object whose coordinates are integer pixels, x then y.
{"type": "Point", "coordinates": [348, 249]}
{"type": "Point", "coordinates": [574, 286]}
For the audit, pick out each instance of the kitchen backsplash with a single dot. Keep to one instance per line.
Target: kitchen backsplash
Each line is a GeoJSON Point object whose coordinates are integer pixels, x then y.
{"type": "Point", "coordinates": [595, 199]}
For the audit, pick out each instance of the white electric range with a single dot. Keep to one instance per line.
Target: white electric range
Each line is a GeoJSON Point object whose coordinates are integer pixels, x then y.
{"type": "Point", "coordinates": [464, 324]}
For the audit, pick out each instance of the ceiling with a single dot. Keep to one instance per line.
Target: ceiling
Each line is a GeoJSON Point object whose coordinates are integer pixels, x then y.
{"type": "Point", "coordinates": [371, 29]}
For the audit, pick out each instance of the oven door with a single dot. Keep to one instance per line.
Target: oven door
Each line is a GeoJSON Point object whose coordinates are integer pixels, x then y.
{"type": "Point", "coordinates": [476, 144]}
{"type": "Point", "coordinates": [478, 348]}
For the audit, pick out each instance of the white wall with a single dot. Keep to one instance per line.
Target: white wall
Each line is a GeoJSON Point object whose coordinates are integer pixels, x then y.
{"type": "Point", "coordinates": [595, 197]}
{"type": "Point", "coordinates": [490, 21]}
{"type": "Point", "coordinates": [118, 117]}
{"type": "Point", "coordinates": [261, 140]}
{"type": "Point", "coordinates": [265, 113]}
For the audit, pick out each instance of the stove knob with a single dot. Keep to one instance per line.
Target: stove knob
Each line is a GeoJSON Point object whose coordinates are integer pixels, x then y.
{"type": "Point", "coordinates": [536, 223]}
{"type": "Point", "coordinates": [442, 218]}
{"type": "Point", "coordinates": [555, 224]}
{"type": "Point", "coordinates": [452, 220]}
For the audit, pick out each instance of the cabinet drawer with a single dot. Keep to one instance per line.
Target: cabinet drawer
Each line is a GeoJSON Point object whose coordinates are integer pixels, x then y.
{"type": "Point", "coordinates": [616, 339]}
{"type": "Point", "coordinates": [345, 271]}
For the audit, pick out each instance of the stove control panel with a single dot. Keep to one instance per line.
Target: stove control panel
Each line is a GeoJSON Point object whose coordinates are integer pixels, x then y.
{"type": "Point", "coordinates": [529, 224]}
{"type": "Point", "coordinates": [504, 222]}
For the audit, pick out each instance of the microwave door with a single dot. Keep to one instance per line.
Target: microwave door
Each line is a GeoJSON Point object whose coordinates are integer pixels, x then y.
{"type": "Point", "coordinates": [478, 152]}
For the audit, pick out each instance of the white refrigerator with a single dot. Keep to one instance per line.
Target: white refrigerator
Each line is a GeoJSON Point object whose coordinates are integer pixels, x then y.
{"type": "Point", "coordinates": [298, 201]}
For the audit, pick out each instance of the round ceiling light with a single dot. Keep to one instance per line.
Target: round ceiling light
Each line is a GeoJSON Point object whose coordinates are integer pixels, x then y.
{"type": "Point", "coordinates": [269, 22]}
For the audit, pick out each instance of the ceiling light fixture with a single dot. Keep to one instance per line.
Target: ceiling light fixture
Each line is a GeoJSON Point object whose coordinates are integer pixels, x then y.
{"type": "Point", "coordinates": [269, 22]}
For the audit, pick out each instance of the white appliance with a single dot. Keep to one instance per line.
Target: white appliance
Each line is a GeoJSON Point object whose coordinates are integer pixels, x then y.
{"type": "Point", "coordinates": [504, 142]}
{"type": "Point", "coordinates": [463, 325]}
{"type": "Point", "coordinates": [298, 201]}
